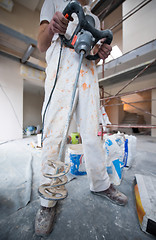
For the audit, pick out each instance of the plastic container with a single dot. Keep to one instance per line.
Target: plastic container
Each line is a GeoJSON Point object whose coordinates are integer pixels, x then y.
{"type": "Point", "coordinates": [77, 160]}
{"type": "Point", "coordinates": [39, 137]}
{"type": "Point", "coordinates": [75, 137]}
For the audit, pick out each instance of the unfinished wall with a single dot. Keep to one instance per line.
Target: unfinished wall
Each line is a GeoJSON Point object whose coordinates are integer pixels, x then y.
{"type": "Point", "coordinates": [11, 100]}
{"type": "Point", "coordinates": [115, 112]}
{"type": "Point", "coordinates": [32, 106]}
{"type": "Point", "coordinates": [139, 100]}
{"type": "Point", "coordinates": [140, 27]}
{"type": "Point", "coordinates": [21, 19]}
{"type": "Point", "coordinates": [154, 111]}
{"type": "Point", "coordinates": [109, 21]}
{"type": "Point", "coordinates": [142, 82]}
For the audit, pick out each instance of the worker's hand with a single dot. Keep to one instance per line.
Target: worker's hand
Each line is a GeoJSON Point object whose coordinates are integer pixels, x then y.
{"type": "Point", "coordinates": [104, 50]}
{"type": "Point", "coordinates": [58, 24]}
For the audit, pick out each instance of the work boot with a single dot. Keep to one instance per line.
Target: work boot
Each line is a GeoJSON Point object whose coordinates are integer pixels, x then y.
{"type": "Point", "coordinates": [114, 195]}
{"type": "Point", "coordinates": [44, 220]}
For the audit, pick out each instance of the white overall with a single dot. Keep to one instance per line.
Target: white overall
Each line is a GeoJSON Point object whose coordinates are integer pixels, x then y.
{"type": "Point", "coordinates": [87, 113]}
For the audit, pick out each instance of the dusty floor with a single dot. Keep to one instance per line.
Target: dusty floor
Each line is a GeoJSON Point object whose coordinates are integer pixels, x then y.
{"type": "Point", "coordinates": [82, 215]}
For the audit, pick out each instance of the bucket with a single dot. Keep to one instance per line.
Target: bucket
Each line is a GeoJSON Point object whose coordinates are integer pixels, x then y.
{"type": "Point", "coordinates": [39, 137]}
{"type": "Point", "coordinates": [75, 137]}
{"type": "Point", "coordinates": [77, 161]}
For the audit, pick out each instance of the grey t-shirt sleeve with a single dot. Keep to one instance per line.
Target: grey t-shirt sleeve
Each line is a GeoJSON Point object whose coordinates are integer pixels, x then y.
{"type": "Point", "coordinates": [47, 11]}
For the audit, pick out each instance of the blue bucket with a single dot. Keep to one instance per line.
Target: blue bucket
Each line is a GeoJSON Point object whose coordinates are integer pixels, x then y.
{"type": "Point", "coordinates": [77, 160]}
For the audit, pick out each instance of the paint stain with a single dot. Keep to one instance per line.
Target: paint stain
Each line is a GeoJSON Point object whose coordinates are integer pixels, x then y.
{"type": "Point", "coordinates": [84, 85]}
{"type": "Point", "coordinates": [54, 75]}
{"type": "Point", "coordinates": [82, 72]}
{"type": "Point", "coordinates": [53, 151]}
{"type": "Point", "coordinates": [92, 70]}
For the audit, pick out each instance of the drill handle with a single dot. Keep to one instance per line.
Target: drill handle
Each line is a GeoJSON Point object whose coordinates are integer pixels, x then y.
{"type": "Point", "coordinates": [73, 7]}
{"type": "Point", "coordinates": [107, 34]}
{"type": "Point", "coordinates": [85, 23]}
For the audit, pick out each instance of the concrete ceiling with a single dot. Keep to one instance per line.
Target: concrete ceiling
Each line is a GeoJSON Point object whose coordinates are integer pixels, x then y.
{"type": "Point", "coordinates": [32, 5]}
{"type": "Point", "coordinates": [101, 8]}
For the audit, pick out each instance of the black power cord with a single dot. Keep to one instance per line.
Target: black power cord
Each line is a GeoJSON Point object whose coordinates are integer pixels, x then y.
{"type": "Point", "coordinates": [58, 66]}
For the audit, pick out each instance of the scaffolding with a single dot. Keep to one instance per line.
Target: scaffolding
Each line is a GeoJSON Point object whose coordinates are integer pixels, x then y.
{"type": "Point", "coordinates": [106, 97]}
{"type": "Point", "coordinates": [104, 101]}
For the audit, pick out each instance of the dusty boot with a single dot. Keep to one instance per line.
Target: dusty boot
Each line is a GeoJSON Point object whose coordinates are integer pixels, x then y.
{"type": "Point", "coordinates": [114, 195]}
{"type": "Point", "coordinates": [44, 220]}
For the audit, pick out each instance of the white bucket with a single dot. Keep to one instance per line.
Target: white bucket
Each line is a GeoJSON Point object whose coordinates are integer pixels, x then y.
{"type": "Point", "coordinates": [76, 156]}
{"type": "Point", "coordinates": [39, 136]}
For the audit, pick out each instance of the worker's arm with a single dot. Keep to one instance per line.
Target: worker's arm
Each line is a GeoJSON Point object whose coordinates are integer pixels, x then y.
{"type": "Point", "coordinates": [103, 50]}
{"type": "Point", "coordinates": [58, 24]}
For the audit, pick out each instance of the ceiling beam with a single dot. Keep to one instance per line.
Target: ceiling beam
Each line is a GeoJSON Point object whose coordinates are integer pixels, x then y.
{"type": "Point", "coordinates": [11, 40]}
{"type": "Point", "coordinates": [103, 8]}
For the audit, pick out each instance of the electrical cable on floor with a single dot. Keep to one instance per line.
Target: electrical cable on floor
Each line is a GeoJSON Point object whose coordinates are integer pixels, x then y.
{"type": "Point", "coordinates": [12, 108]}
{"type": "Point", "coordinates": [58, 66]}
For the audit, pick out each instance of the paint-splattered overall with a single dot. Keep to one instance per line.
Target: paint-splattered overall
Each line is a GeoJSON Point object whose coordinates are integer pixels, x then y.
{"type": "Point", "coordinates": [87, 110]}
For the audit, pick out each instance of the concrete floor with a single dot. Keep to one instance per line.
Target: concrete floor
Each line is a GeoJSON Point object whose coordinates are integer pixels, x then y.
{"type": "Point", "coordinates": [82, 215]}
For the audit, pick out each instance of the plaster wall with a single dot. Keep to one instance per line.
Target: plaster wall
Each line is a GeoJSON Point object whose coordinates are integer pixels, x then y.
{"type": "Point", "coordinates": [11, 100]}
{"type": "Point", "coordinates": [32, 107]}
{"type": "Point", "coordinates": [141, 82]}
{"type": "Point", "coordinates": [139, 28]}
{"type": "Point", "coordinates": [22, 20]}
{"type": "Point", "coordinates": [112, 19]}
{"type": "Point", "coordinates": [154, 111]}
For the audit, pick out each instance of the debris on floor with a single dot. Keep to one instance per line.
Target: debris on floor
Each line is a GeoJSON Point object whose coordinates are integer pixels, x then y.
{"type": "Point", "coordinates": [145, 195]}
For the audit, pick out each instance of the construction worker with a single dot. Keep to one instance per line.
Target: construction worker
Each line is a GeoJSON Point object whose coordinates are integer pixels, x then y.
{"type": "Point", "coordinates": [53, 23]}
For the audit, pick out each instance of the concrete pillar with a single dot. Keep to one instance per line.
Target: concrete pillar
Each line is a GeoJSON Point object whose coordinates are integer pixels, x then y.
{"type": "Point", "coordinates": [153, 108]}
